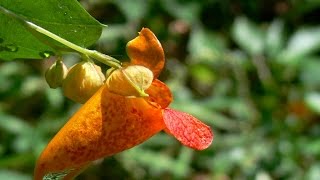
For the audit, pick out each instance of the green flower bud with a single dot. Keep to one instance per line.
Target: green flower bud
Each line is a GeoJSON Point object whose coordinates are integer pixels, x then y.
{"type": "Point", "coordinates": [130, 81]}
{"type": "Point", "coordinates": [82, 81]}
{"type": "Point", "coordinates": [56, 73]}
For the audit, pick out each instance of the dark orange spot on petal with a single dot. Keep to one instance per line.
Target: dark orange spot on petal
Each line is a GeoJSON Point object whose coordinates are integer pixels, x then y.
{"type": "Point", "coordinates": [159, 93]}
{"type": "Point", "coordinates": [187, 129]}
{"type": "Point", "coordinates": [106, 124]}
{"type": "Point", "coordinates": [147, 51]}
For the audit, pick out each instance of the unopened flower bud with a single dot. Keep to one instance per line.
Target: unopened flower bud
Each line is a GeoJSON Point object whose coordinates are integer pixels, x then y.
{"type": "Point", "coordinates": [130, 81]}
{"type": "Point", "coordinates": [55, 74]}
{"type": "Point", "coordinates": [82, 81]}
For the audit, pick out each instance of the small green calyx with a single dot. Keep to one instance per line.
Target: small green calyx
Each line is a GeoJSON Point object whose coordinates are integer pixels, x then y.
{"type": "Point", "coordinates": [56, 73]}
{"type": "Point", "coordinates": [131, 81]}
{"type": "Point", "coordinates": [82, 81]}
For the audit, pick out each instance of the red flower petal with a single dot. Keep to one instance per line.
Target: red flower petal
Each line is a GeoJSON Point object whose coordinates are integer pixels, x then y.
{"type": "Point", "coordinates": [106, 124]}
{"type": "Point", "coordinates": [147, 51]}
{"type": "Point", "coordinates": [187, 129]}
{"type": "Point", "coordinates": [159, 93]}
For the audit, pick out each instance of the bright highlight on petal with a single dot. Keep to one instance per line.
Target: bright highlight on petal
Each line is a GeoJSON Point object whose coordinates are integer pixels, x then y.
{"type": "Point", "coordinates": [187, 129]}
{"type": "Point", "coordinates": [147, 51]}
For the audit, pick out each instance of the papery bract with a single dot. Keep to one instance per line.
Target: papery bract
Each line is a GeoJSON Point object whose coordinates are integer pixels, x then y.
{"type": "Point", "coordinates": [130, 81]}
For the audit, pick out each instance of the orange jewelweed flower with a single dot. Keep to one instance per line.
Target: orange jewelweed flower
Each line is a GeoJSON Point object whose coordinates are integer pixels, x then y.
{"type": "Point", "coordinates": [109, 123]}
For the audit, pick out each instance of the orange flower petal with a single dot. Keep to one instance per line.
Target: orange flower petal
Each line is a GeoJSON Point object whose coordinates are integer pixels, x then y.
{"type": "Point", "coordinates": [147, 51]}
{"type": "Point", "coordinates": [159, 93]}
{"type": "Point", "coordinates": [105, 125]}
{"type": "Point", "coordinates": [187, 129]}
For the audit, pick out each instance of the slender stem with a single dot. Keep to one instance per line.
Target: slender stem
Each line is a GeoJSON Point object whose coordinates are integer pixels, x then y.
{"type": "Point", "coordinates": [57, 38]}
{"type": "Point", "coordinates": [108, 60]}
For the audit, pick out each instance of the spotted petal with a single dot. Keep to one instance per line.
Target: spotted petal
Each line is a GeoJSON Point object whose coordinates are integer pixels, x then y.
{"type": "Point", "coordinates": [105, 125]}
{"type": "Point", "coordinates": [159, 93]}
{"type": "Point", "coordinates": [147, 51]}
{"type": "Point", "coordinates": [187, 129]}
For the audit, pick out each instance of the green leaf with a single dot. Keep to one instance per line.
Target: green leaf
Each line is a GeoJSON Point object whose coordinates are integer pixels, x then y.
{"type": "Point", "coordinates": [275, 38]}
{"type": "Point", "coordinates": [16, 160]}
{"type": "Point", "coordinates": [139, 156]}
{"type": "Point", "coordinates": [314, 172]}
{"type": "Point", "coordinates": [13, 175]}
{"type": "Point", "coordinates": [248, 36]}
{"type": "Point", "coordinates": [13, 124]}
{"type": "Point", "coordinates": [202, 75]}
{"type": "Point", "coordinates": [310, 73]}
{"type": "Point", "coordinates": [64, 18]}
{"type": "Point", "coordinates": [304, 42]}
{"type": "Point", "coordinates": [133, 10]}
{"type": "Point", "coordinates": [205, 46]}
{"type": "Point", "coordinates": [313, 101]}
{"type": "Point", "coordinates": [187, 11]}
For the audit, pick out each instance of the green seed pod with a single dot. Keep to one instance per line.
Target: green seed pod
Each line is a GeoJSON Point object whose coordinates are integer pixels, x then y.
{"type": "Point", "coordinates": [56, 73]}
{"type": "Point", "coordinates": [82, 81]}
{"type": "Point", "coordinates": [130, 81]}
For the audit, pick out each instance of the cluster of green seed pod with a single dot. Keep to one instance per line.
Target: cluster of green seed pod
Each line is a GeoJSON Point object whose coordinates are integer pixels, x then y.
{"type": "Point", "coordinates": [78, 83]}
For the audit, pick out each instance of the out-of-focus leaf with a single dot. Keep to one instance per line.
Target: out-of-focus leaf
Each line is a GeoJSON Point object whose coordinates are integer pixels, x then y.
{"type": "Point", "coordinates": [17, 160]}
{"type": "Point", "coordinates": [262, 175]}
{"type": "Point", "coordinates": [23, 140]}
{"type": "Point", "coordinates": [286, 167]}
{"type": "Point", "coordinates": [213, 118]}
{"type": "Point", "coordinates": [10, 75]}
{"type": "Point", "coordinates": [160, 140]}
{"type": "Point", "coordinates": [312, 100]}
{"type": "Point", "coordinates": [241, 110]}
{"type": "Point", "coordinates": [302, 43]}
{"type": "Point", "coordinates": [203, 74]}
{"type": "Point", "coordinates": [202, 78]}
{"type": "Point", "coordinates": [205, 46]}
{"type": "Point", "coordinates": [187, 11]}
{"type": "Point", "coordinates": [248, 36]}
{"type": "Point", "coordinates": [309, 147]}
{"type": "Point", "coordinates": [222, 163]}
{"type": "Point", "coordinates": [55, 97]}
{"type": "Point", "coordinates": [314, 172]}
{"type": "Point", "coordinates": [13, 124]}
{"type": "Point", "coordinates": [164, 163]}
{"type": "Point", "coordinates": [134, 10]}
{"type": "Point", "coordinates": [111, 36]}
{"type": "Point", "coordinates": [32, 85]}
{"type": "Point", "coordinates": [184, 160]}
{"type": "Point", "coordinates": [12, 175]}
{"type": "Point", "coordinates": [65, 18]}
{"type": "Point", "coordinates": [310, 73]}
{"type": "Point", "coordinates": [275, 38]}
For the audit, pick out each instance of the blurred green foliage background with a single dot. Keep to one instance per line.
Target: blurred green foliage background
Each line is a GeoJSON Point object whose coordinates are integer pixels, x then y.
{"type": "Point", "coordinates": [249, 69]}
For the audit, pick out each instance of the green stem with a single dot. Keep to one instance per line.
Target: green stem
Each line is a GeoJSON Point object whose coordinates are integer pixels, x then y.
{"type": "Point", "coordinates": [108, 60]}
{"type": "Point", "coordinates": [57, 38]}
